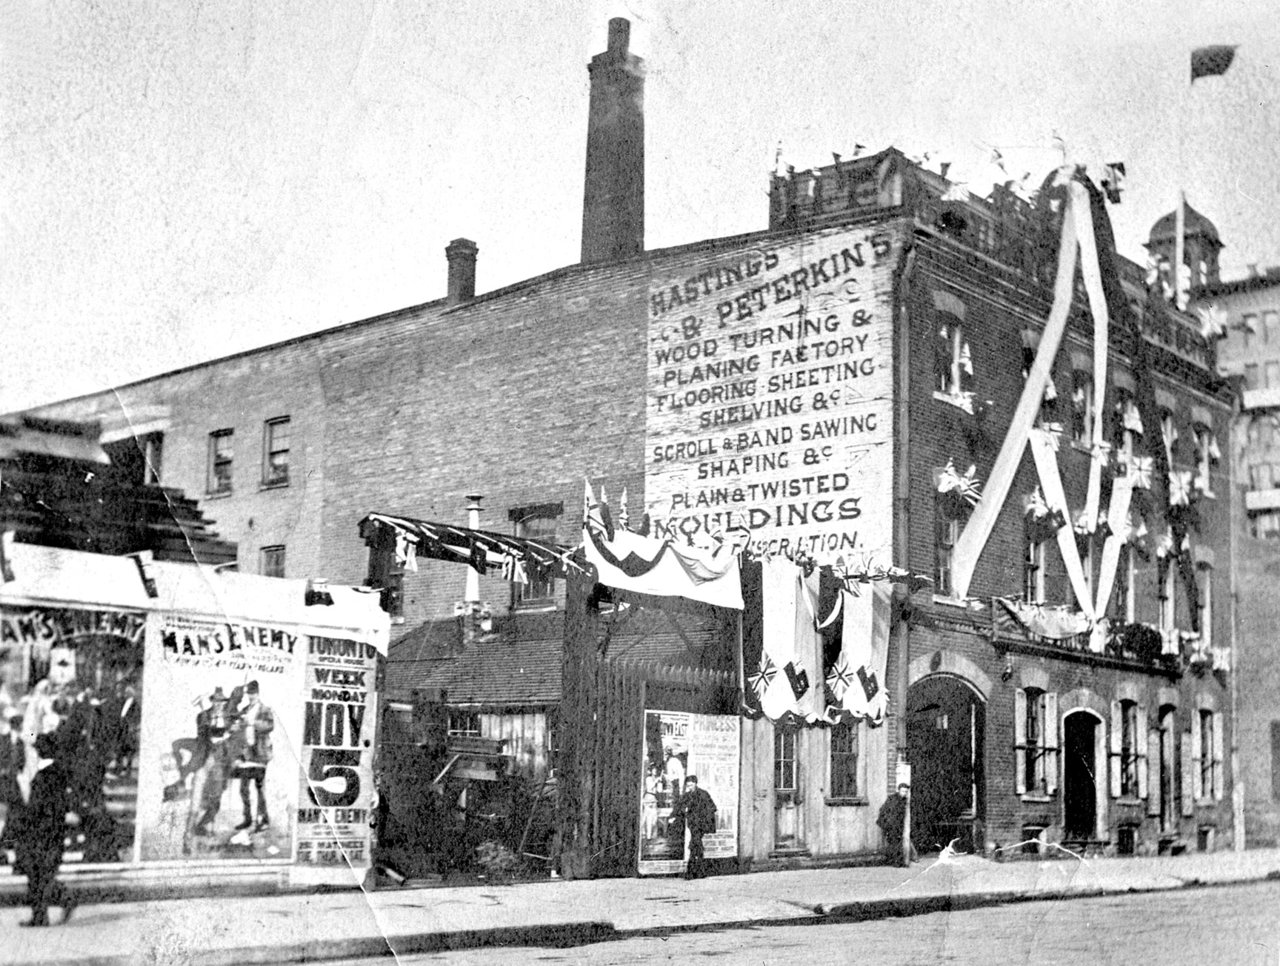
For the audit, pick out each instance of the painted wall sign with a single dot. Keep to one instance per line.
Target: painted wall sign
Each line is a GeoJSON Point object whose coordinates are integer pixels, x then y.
{"type": "Point", "coordinates": [770, 396]}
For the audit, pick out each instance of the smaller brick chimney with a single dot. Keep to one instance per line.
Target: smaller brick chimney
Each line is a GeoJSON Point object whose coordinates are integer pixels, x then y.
{"type": "Point", "coordinates": [461, 253]}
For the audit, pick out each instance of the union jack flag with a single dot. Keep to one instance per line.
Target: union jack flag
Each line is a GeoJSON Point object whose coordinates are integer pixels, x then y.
{"type": "Point", "coordinates": [761, 679]}
{"type": "Point", "coordinates": [840, 677]}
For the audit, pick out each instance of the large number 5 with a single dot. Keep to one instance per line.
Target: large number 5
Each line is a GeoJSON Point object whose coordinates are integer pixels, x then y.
{"type": "Point", "coordinates": [333, 769]}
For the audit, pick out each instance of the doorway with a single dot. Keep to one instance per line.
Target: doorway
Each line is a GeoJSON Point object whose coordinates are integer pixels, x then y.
{"type": "Point", "coordinates": [1168, 755]}
{"type": "Point", "coordinates": [946, 722]}
{"type": "Point", "coordinates": [788, 820]}
{"type": "Point", "coordinates": [1080, 776]}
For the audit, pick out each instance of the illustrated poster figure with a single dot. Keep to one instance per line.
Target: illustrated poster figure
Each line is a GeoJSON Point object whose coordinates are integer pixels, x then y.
{"type": "Point", "coordinates": [257, 722]}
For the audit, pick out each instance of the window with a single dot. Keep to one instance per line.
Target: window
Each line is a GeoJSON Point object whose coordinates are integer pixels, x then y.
{"type": "Point", "coordinates": [1124, 421]}
{"type": "Point", "coordinates": [1260, 476]}
{"type": "Point", "coordinates": [1265, 526]}
{"type": "Point", "coordinates": [152, 446]}
{"type": "Point", "coordinates": [1206, 448]}
{"type": "Point", "coordinates": [845, 742]}
{"type": "Point", "coordinates": [1084, 547]}
{"type": "Point", "coordinates": [1033, 572]}
{"type": "Point", "coordinates": [1081, 406]}
{"type": "Point", "coordinates": [1250, 325]}
{"type": "Point", "coordinates": [220, 453]}
{"type": "Point", "coordinates": [275, 452]}
{"type": "Point", "coordinates": [952, 363]}
{"type": "Point", "coordinates": [1123, 604]}
{"type": "Point", "coordinates": [1206, 606]}
{"type": "Point", "coordinates": [947, 533]}
{"type": "Point", "coordinates": [1275, 761]}
{"type": "Point", "coordinates": [1273, 375]}
{"type": "Point", "coordinates": [1128, 750]}
{"type": "Point", "coordinates": [1206, 754]}
{"type": "Point", "coordinates": [1035, 741]}
{"type": "Point", "coordinates": [1169, 433]}
{"type": "Point", "coordinates": [272, 561]}
{"type": "Point", "coordinates": [785, 767]}
{"type": "Point", "coordinates": [1261, 431]}
{"type": "Point", "coordinates": [1251, 375]}
{"type": "Point", "coordinates": [1168, 587]}
{"type": "Point", "coordinates": [1271, 326]}
{"type": "Point", "coordinates": [464, 723]}
{"type": "Point", "coordinates": [536, 523]}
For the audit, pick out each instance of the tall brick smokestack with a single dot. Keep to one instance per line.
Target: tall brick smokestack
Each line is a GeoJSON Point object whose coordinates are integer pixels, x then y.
{"type": "Point", "coordinates": [613, 200]}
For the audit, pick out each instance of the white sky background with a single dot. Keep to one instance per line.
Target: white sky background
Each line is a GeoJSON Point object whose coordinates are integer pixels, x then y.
{"type": "Point", "coordinates": [181, 179]}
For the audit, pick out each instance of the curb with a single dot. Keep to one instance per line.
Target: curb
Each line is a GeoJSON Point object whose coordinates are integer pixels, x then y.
{"type": "Point", "coordinates": [556, 936]}
{"type": "Point", "coordinates": [570, 934]}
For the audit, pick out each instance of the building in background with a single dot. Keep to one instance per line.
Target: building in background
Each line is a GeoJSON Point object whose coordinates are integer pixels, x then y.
{"type": "Point", "coordinates": [847, 384]}
{"type": "Point", "coordinates": [1249, 353]}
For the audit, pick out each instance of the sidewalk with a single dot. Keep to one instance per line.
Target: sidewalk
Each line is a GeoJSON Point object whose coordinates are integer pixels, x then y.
{"type": "Point", "coordinates": [298, 928]}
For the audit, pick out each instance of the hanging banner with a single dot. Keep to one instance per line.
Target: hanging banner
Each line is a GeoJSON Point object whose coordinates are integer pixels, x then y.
{"type": "Point", "coordinates": [339, 720]}
{"type": "Point", "coordinates": [75, 674]}
{"type": "Point", "coordinates": [678, 744]}
{"type": "Point", "coordinates": [218, 779]}
{"type": "Point", "coordinates": [770, 383]}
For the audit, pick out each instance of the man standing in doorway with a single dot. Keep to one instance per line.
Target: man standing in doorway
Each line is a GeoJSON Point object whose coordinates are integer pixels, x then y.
{"type": "Point", "coordinates": [257, 721]}
{"type": "Point", "coordinates": [698, 810]}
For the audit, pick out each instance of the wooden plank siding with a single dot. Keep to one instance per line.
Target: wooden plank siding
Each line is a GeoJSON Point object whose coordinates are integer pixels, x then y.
{"type": "Point", "coordinates": [525, 733]}
{"type": "Point", "coordinates": [826, 829]}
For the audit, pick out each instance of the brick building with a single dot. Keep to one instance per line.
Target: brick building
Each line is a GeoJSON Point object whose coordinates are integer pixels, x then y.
{"type": "Point", "coordinates": [1250, 353]}
{"type": "Point", "coordinates": [827, 382]}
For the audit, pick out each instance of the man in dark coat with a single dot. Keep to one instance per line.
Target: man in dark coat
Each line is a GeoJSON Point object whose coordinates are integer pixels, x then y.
{"type": "Point", "coordinates": [41, 831]}
{"type": "Point", "coordinates": [13, 758]}
{"type": "Point", "coordinates": [892, 817]}
{"type": "Point", "coordinates": [698, 811]}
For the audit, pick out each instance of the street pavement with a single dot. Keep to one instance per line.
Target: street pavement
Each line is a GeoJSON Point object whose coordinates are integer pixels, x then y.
{"type": "Point", "coordinates": [1239, 926]}
{"type": "Point", "coordinates": [353, 924]}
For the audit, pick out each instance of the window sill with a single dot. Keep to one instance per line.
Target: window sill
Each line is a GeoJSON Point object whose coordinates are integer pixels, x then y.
{"type": "Point", "coordinates": [1036, 798]}
{"type": "Point", "coordinates": [217, 494]}
{"type": "Point", "coordinates": [533, 606]}
{"type": "Point", "coordinates": [962, 401]}
{"type": "Point", "coordinates": [855, 800]}
{"type": "Point", "coordinates": [284, 485]}
{"type": "Point", "coordinates": [1129, 800]}
{"type": "Point", "coordinates": [959, 602]}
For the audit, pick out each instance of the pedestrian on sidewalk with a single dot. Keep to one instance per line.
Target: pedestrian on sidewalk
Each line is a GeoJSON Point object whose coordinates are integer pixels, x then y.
{"type": "Point", "coordinates": [41, 832]}
{"type": "Point", "coordinates": [892, 819]}
{"type": "Point", "coordinates": [698, 810]}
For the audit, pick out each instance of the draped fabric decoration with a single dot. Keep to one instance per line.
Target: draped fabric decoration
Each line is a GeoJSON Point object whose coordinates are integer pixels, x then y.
{"type": "Point", "coordinates": [406, 551]}
{"type": "Point", "coordinates": [958, 493]}
{"type": "Point", "coordinates": [820, 652]}
{"type": "Point", "coordinates": [1085, 233]}
{"type": "Point", "coordinates": [856, 679]}
{"type": "Point", "coordinates": [1213, 322]}
{"type": "Point", "coordinates": [483, 550]}
{"type": "Point", "coordinates": [662, 568]}
{"type": "Point", "coordinates": [788, 680]}
{"type": "Point", "coordinates": [1049, 623]}
{"type": "Point", "coordinates": [1042, 521]}
{"type": "Point", "coordinates": [1130, 418]}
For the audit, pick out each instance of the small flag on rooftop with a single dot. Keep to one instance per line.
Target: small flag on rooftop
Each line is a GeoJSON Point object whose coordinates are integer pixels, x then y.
{"type": "Point", "coordinates": [1211, 61]}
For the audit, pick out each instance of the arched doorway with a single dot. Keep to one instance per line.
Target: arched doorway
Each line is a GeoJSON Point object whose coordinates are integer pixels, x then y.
{"type": "Point", "coordinates": [1080, 774]}
{"type": "Point", "coordinates": [946, 721]}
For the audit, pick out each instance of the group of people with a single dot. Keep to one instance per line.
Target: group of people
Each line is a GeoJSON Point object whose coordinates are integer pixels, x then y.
{"type": "Point", "coordinates": [232, 740]}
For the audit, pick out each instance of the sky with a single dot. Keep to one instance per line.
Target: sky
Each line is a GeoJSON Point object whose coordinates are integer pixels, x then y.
{"type": "Point", "coordinates": [180, 180]}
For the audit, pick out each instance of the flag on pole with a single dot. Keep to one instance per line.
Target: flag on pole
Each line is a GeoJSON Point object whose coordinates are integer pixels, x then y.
{"type": "Point", "coordinates": [1211, 61]}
